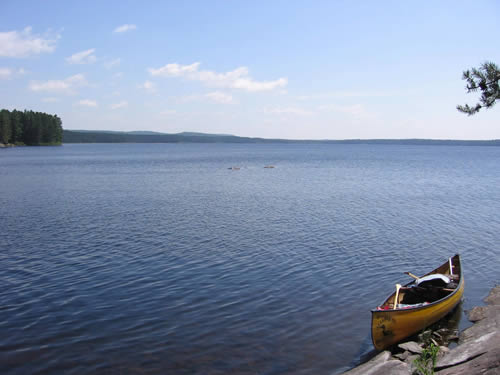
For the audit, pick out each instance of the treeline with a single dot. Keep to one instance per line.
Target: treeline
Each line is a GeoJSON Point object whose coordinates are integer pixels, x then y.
{"type": "Point", "coordinates": [30, 128]}
{"type": "Point", "coordinates": [81, 136]}
{"type": "Point", "coordinates": [75, 136]}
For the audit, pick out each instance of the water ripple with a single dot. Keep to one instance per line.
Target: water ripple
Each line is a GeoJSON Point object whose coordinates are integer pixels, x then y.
{"type": "Point", "coordinates": [157, 259]}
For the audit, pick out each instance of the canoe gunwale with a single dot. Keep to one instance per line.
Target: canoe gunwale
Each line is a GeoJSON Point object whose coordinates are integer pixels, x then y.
{"type": "Point", "coordinates": [431, 304]}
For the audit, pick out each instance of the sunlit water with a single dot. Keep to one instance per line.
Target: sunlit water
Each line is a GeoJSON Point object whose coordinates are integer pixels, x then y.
{"type": "Point", "coordinates": [156, 259]}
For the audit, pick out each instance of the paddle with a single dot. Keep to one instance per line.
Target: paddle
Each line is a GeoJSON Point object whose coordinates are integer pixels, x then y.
{"type": "Point", "coordinates": [398, 286]}
{"type": "Point", "coordinates": [412, 275]}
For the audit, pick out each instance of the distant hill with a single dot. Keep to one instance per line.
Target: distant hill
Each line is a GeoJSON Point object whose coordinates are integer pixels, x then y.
{"type": "Point", "coordinates": [78, 136]}
{"type": "Point", "coordinates": [147, 132]}
{"type": "Point", "coordinates": [141, 132]}
{"type": "Point", "coordinates": [205, 134]}
{"type": "Point", "coordinates": [86, 136]}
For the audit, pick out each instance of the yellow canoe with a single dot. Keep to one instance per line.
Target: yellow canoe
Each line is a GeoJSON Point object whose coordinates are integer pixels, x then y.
{"type": "Point", "coordinates": [418, 305]}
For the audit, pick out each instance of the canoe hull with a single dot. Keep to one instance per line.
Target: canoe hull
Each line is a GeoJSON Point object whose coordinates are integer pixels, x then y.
{"type": "Point", "coordinates": [392, 326]}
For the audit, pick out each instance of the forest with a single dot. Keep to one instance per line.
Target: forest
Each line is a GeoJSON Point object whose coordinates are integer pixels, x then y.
{"type": "Point", "coordinates": [86, 136]}
{"type": "Point", "coordinates": [30, 128]}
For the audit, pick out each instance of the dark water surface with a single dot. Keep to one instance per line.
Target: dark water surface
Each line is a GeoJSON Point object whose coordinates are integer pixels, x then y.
{"type": "Point", "coordinates": [157, 259]}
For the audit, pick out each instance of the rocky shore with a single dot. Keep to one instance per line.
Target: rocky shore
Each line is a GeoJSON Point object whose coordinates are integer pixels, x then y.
{"type": "Point", "coordinates": [6, 145]}
{"type": "Point", "coordinates": [477, 352]}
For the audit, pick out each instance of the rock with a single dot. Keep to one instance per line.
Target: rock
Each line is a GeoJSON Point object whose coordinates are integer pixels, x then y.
{"type": "Point", "coordinates": [438, 335]}
{"type": "Point", "coordinates": [382, 364]}
{"type": "Point", "coordinates": [402, 356]}
{"type": "Point", "coordinates": [411, 346]}
{"type": "Point", "coordinates": [494, 296]}
{"type": "Point", "coordinates": [486, 318]}
{"type": "Point", "coordinates": [489, 323]}
{"type": "Point", "coordinates": [485, 364]}
{"type": "Point", "coordinates": [470, 350]}
{"type": "Point", "coordinates": [424, 336]}
{"type": "Point", "coordinates": [411, 359]}
{"type": "Point", "coordinates": [477, 313]}
{"type": "Point", "coordinates": [443, 350]}
{"type": "Point", "coordinates": [393, 367]}
{"type": "Point", "coordinates": [376, 361]}
{"type": "Point", "coordinates": [453, 336]}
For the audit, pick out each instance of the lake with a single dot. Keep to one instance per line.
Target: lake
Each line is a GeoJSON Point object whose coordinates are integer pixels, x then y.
{"type": "Point", "coordinates": [158, 259]}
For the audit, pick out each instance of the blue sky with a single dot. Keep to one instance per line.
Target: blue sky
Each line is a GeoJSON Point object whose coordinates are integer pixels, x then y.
{"type": "Point", "coordinates": [287, 69]}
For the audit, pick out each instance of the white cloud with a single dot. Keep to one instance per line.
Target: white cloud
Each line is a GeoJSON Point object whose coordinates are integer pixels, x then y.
{"type": "Point", "coordinates": [87, 103]}
{"type": "Point", "coordinates": [349, 94]}
{"type": "Point", "coordinates": [124, 28]}
{"type": "Point", "coordinates": [118, 75]}
{"type": "Point", "coordinates": [121, 104]}
{"type": "Point", "coordinates": [50, 100]}
{"type": "Point", "coordinates": [112, 63]}
{"type": "Point", "coordinates": [175, 70]}
{"type": "Point", "coordinates": [148, 86]}
{"type": "Point", "coordinates": [65, 86]}
{"type": "Point", "coordinates": [288, 111]}
{"type": "Point", "coordinates": [220, 97]}
{"type": "Point", "coordinates": [216, 96]}
{"type": "Point", "coordinates": [84, 57]}
{"type": "Point", "coordinates": [24, 44]}
{"type": "Point", "coordinates": [5, 73]}
{"type": "Point", "coordinates": [235, 79]}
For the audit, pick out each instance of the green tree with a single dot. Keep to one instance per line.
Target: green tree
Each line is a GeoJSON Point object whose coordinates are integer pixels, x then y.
{"type": "Point", "coordinates": [30, 128]}
{"type": "Point", "coordinates": [485, 79]}
{"type": "Point", "coordinates": [16, 126]}
{"type": "Point", "coordinates": [5, 129]}
{"type": "Point", "coordinates": [58, 130]}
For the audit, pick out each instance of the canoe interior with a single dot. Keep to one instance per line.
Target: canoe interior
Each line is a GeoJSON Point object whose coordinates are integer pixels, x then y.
{"type": "Point", "coordinates": [417, 307]}
{"type": "Point", "coordinates": [409, 295]}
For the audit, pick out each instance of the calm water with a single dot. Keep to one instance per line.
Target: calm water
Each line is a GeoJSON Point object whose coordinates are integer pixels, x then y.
{"type": "Point", "coordinates": [157, 259]}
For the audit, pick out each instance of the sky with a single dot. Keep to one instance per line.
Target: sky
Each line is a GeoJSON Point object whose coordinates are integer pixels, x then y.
{"type": "Point", "coordinates": [271, 69]}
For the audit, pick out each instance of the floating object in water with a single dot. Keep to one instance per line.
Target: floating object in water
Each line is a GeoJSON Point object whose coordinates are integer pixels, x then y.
{"type": "Point", "coordinates": [234, 168]}
{"type": "Point", "coordinates": [269, 166]}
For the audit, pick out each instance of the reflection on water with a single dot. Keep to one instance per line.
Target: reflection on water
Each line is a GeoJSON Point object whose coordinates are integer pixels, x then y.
{"type": "Point", "coordinates": [449, 326]}
{"type": "Point", "coordinates": [452, 321]}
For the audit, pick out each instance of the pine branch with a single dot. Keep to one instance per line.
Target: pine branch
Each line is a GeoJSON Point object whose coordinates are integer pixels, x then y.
{"type": "Point", "coordinates": [485, 78]}
{"type": "Point", "coordinates": [470, 111]}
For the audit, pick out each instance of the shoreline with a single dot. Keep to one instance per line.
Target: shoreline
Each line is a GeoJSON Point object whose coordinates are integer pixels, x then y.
{"type": "Point", "coordinates": [11, 145]}
{"type": "Point", "coordinates": [477, 351]}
